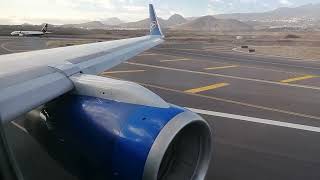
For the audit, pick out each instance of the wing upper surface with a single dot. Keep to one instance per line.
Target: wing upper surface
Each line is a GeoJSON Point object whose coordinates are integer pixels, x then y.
{"type": "Point", "coordinates": [81, 55]}
{"type": "Point", "coordinates": [30, 79]}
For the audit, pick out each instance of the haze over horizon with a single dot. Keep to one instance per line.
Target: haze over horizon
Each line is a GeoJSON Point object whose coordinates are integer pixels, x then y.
{"type": "Point", "coordinates": [68, 11]}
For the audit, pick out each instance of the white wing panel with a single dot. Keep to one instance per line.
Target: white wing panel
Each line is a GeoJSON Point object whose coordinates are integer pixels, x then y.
{"type": "Point", "coordinates": [84, 56]}
{"type": "Point", "coordinates": [30, 79]}
{"type": "Point", "coordinates": [25, 96]}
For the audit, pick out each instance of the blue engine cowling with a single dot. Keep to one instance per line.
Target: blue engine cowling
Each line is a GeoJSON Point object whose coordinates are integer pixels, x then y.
{"type": "Point", "coordinates": [106, 139]}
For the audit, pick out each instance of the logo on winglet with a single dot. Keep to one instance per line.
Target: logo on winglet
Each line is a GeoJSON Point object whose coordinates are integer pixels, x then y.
{"type": "Point", "coordinates": [153, 25]}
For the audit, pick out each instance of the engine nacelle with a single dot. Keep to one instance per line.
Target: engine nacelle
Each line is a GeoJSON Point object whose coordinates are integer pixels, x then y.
{"type": "Point", "coordinates": [111, 129]}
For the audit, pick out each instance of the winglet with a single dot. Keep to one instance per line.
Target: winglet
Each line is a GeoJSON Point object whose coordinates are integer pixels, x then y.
{"type": "Point", "coordinates": [154, 24]}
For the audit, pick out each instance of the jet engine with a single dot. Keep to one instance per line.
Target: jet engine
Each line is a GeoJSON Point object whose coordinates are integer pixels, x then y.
{"type": "Point", "coordinates": [112, 129]}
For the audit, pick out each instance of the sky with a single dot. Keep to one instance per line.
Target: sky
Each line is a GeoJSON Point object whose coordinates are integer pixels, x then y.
{"type": "Point", "coordinates": [76, 11]}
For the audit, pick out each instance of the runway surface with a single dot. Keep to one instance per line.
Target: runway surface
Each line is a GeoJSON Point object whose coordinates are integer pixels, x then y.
{"type": "Point", "coordinates": [264, 111]}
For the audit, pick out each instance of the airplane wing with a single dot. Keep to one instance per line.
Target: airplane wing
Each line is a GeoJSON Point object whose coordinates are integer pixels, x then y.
{"type": "Point", "coordinates": [30, 79]}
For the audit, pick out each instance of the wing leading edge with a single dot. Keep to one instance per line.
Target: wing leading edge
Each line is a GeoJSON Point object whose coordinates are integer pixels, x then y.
{"type": "Point", "coordinates": [30, 79]}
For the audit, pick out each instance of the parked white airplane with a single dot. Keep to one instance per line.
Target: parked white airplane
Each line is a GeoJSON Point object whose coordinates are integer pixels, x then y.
{"type": "Point", "coordinates": [105, 128]}
{"type": "Point", "coordinates": [43, 31]}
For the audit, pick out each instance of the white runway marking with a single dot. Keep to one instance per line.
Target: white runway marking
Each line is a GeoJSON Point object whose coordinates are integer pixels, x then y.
{"type": "Point", "coordinates": [174, 60]}
{"type": "Point", "coordinates": [148, 54]}
{"type": "Point", "coordinates": [3, 46]}
{"type": "Point", "coordinates": [257, 120]}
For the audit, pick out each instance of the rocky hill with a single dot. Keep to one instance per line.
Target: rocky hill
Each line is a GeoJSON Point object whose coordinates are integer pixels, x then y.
{"type": "Point", "coordinates": [144, 24]}
{"type": "Point", "coordinates": [302, 16]}
{"type": "Point", "coordinates": [112, 21]}
{"type": "Point", "coordinates": [210, 24]}
{"type": "Point", "coordinates": [87, 25]}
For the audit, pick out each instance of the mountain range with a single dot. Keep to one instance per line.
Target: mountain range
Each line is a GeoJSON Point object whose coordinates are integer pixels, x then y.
{"type": "Point", "coordinates": [309, 11]}
{"type": "Point", "coordinates": [86, 25]}
{"type": "Point", "coordinates": [112, 21]}
{"type": "Point", "coordinates": [144, 24]}
{"type": "Point", "coordinates": [176, 21]}
{"type": "Point", "coordinates": [210, 24]}
{"type": "Point", "coordinates": [307, 16]}
{"type": "Point", "coordinates": [303, 16]}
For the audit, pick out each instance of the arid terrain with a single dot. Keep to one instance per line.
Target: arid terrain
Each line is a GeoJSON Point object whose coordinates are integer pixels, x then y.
{"type": "Point", "coordinates": [301, 45]}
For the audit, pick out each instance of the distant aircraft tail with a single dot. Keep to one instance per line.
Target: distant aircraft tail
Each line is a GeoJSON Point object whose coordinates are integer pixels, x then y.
{"type": "Point", "coordinates": [45, 28]}
{"type": "Point", "coordinates": [154, 23]}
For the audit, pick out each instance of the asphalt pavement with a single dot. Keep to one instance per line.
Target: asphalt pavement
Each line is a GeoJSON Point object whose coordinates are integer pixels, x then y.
{"type": "Point", "coordinates": [264, 111]}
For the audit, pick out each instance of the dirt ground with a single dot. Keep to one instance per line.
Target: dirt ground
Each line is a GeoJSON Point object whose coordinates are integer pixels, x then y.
{"type": "Point", "coordinates": [302, 45]}
{"type": "Point", "coordinates": [300, 52]}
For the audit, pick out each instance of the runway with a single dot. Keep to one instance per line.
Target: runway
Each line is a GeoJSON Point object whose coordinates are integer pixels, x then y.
{"type": "Point", "coordinates": [264, 111]}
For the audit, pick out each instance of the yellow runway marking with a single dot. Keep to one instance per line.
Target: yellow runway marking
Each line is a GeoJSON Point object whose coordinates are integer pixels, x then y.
{"type": "Point", "coordinates": [221, 67]}
{"type": "Point", "coordinates": [298, 79]}
{"type": "Point", "coordinates": [117, 72]}
{"type": "Point", "coordinates": [226, 76]}
{"type": "Point", "coordinates": [174, 60]}
{"type": "Point", "coordinates": [235, 102]}
{"type": "Point", "coordinates": [253, 67]}
{"type": "Point", "coordinates": [207, 88]}
{"type": "Point", "coordinates": [274, 70]}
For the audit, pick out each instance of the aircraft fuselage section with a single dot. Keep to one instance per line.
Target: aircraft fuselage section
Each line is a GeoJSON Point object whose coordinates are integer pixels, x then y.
{"type": "Point", "coordinates": [27, 33]}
